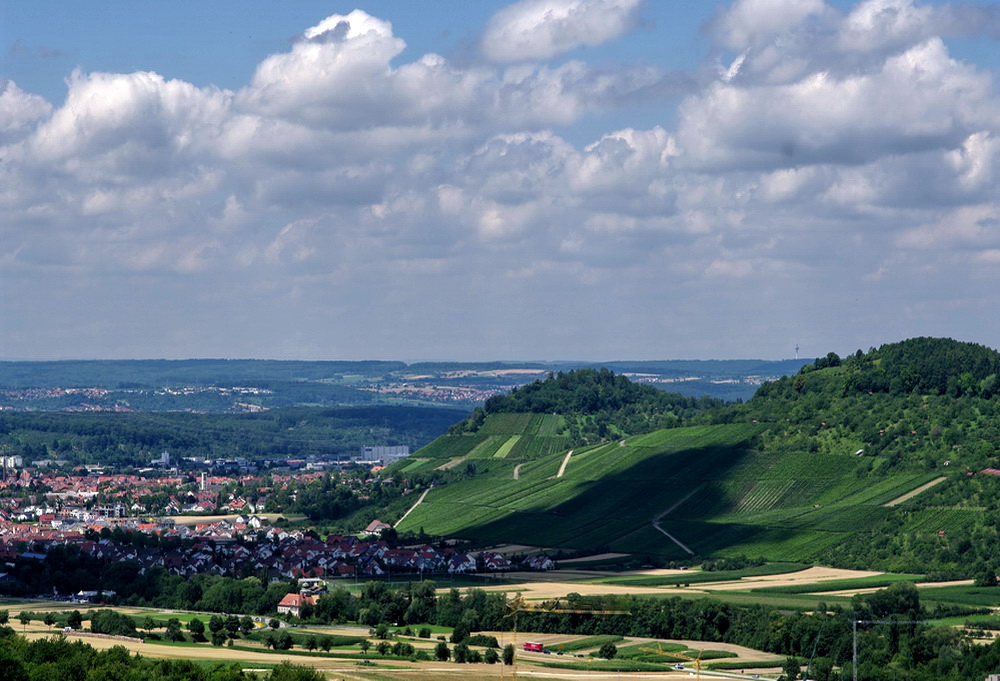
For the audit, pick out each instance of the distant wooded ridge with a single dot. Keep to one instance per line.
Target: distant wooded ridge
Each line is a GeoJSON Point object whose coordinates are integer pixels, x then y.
{"type": "Point", "coordinates": [151, 385]}
{"type": "Point", "coordinates": [159, 372]}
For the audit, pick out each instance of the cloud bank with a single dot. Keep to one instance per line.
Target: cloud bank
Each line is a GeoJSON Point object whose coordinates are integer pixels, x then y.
{"type": "Point", "coordinates": [833, 183]}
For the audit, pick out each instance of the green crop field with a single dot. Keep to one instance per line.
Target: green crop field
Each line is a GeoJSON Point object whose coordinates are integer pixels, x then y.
{"type": "Point", "coordinates": [451, 446]}
{"type": "Point", "coordinates": [488, 447]}
{"type": "Point", "coordinates": [507, 446]}
{"type": "Point", "coordinates": [507, 424]}
{"type": "Point", "coordinates": [941, 519]}
{"type": "Point", "coordinates": [585, 643]}
{"type": "Point", "coordinates": [975, 596]}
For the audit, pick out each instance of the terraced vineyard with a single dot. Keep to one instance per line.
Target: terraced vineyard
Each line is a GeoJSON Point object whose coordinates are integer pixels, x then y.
{"type": "Point", "coordinates": [941, 519]}
{"type": "Point", "coordinates": [704, 484]}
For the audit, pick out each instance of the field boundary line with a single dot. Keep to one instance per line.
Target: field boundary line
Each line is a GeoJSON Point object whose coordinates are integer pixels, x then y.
{"type": "Point", "coordinates": [914, 492]}
{"type": "Point", "coordinates": [410, 510]}
{"type": "Point", "coordinates": [562, 468]}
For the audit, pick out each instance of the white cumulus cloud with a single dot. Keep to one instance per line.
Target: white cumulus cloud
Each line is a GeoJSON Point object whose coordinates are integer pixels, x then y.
{"type": "Point", "coordinates": [536, 30]}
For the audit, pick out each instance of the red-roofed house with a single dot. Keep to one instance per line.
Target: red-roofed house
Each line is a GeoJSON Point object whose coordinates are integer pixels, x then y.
{"type": "Point", "coordinates": [291, 604]}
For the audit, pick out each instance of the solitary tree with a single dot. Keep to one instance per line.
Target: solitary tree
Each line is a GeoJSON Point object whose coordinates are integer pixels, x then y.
{"type": "Point", "coordinates": [174, 630]}
{"type": "Point", "coordinates": [246, 624]}
{"type": "Point", "coordinates": [232, 625]}
{"type": "Point", "coordinates": [197, 629]}
{"type": "Point", "coordinates": [608, 651]}
{"type": "Point", "coordinates": [441, 652]}
{"type": "Point", "coordinates": [216, 623]}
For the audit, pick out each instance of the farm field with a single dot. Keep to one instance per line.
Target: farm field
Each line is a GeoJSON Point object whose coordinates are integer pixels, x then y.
{"type": "Point", "coordinates": [788, 586]}
{"type": "Point", "coordinates": [355, 668]}
{"type": "Point", "coordinates": [811, 576]}
{"type": "Point", "coordinates": [689, 585]}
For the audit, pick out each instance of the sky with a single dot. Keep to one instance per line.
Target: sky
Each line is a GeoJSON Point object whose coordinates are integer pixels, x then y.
{"type": "Point", "coordinates": [536, 180]}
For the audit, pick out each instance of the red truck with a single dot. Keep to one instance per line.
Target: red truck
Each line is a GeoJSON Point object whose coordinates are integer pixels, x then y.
{"type": "Point", "coordinates": [533, 647]}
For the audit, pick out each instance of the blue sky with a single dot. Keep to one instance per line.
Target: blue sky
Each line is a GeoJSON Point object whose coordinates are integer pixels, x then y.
{"type": "Point", "coordinates": [545, 179]}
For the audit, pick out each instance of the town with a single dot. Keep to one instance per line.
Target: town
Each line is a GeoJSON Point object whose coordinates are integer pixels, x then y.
{"type": "Point", "coordinates": [193, 524]}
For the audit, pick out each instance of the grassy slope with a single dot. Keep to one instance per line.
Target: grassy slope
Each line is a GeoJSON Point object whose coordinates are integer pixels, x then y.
{"type": "Point", "coordinates": [777, 505]}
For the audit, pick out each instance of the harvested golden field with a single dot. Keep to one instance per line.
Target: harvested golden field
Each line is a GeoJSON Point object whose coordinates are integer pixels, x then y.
{"type": "Point", "coordinates": [813, 575]}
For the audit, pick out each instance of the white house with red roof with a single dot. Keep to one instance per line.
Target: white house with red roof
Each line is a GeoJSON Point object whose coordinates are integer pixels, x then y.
{"type": "Point", "coordinates": [292, 604]}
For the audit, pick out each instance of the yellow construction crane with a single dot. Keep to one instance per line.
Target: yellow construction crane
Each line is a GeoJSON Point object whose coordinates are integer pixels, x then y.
{"type": "Point", "coordinates": [660, 651]}
{"type": "Point", "coordinates": [517, 605]}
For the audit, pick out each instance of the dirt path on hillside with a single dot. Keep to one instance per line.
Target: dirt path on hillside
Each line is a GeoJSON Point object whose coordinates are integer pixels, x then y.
{"type": "Point", "coordinates": [410, 510]}
{"type": "Point", "coordinates": [664, 514]}
{"type": "Point", "coordinates": [517, 471]}
{"type": "Point", "coordinates": [909, 495]}
{"type": "Point", "coordinates": [562, 468]}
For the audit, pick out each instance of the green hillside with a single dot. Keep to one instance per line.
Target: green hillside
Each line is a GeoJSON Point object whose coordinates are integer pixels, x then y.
{"type": "Point", "coordinates": [705, 485]}
{"type": "Point", "coordinates": [814, 468]}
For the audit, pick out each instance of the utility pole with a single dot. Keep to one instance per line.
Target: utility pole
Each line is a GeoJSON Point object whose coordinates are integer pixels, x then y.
{"type": "Point", "coordinates": [854, 663]}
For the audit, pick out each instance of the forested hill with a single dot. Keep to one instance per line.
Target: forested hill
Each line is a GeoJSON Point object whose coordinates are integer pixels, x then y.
{"type": "Point", "coordinates": [930, 366]}
{"type": "Point", "coordinates": [876, 460]}
{"type": "Point", "coordinates": [610, 402]}
{"type": "Point", "coordinates": [920, 402]}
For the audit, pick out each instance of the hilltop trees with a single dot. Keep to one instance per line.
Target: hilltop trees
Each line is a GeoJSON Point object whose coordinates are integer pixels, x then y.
{"type": "Point", "coordinates": [929, 366]}
{"type": "Point", "coordinates": [606, 404]}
